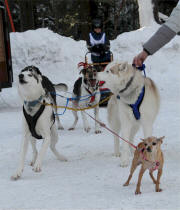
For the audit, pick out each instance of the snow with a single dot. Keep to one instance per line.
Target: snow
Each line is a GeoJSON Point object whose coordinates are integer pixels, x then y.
{"type": "Point", "coordinates": [92, 177]}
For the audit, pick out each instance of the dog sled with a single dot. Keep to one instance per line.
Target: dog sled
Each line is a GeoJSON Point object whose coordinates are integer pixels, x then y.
{"type": "Point", "coordinates": [98, 67]}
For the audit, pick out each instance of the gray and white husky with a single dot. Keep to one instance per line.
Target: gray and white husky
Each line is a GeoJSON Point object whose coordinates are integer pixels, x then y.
{"type": "Point", "coordinates": [38, 119]}
{"type": "Point", "coordinates": [135, 103]}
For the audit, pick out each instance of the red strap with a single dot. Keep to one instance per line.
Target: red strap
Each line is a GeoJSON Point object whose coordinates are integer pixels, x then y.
{"type": "Point", "coordinates": [85, 65]}
{"type": "Point", "coordinates": [100, 83]}
{"type": "Point", "coordinates": [10, 17]}
{"type": "Point", "coordinates": [92, 99]}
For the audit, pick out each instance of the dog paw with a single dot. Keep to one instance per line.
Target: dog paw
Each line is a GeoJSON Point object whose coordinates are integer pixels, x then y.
{"type": "Point", "coordinates": [37, 168]}
{"type": "Point", "coordinates": [17, 175]}
{"type": "Point", "coordinates": [87, 129]}
{"type": "Point", "coordinates": [117, 154]}
{"type": "Point", "coordinates": [137, 192]}
{"type": "Point", "coordinates": [60, 128]}
{"type": "Point", "coordinates": [126, 184]}
{"type": "Point", "coordinates": [124, 163]}
{"type": "Point", "coordinates": [31, 163]}
{"type": "Point", "coordinates": [71, 129]}
{"type": "Point", "coordinates": [62, 158]}
{"type": "Point", "coordinates": [159, 190]}
{"type": "Point", "coordinates": [98, 131]}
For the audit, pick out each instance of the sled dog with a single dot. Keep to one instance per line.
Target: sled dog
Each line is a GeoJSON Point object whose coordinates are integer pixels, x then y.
{"type": "Point", "coordinates": [135, 103]}
{"type": "Point", "coordinates": [150, 155]}
{"type": "Point", "coordinates": [38, 119]}
{"type": "Point", "coordinates": [86, 93]}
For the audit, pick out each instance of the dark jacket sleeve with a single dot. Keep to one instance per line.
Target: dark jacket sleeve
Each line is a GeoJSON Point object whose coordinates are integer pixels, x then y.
{"type": "Point", "coordinates": [107, 44]}
{"type": "Point", "coordinates": [89, 46]}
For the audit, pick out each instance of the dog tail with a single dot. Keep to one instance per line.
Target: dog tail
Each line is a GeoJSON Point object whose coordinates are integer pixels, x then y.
{"type": "Point", "coordinates": [61, 87]}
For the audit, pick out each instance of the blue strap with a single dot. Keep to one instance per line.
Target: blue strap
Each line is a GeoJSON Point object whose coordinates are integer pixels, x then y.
{"type": "Point", "coordinates": [33, 103]}
{"type": "Point", "coordinates": [135, 107]}
{"type": "Point", "coordinates": [65, 107]}
{"type": "Point", "coordinates": [141, 68]}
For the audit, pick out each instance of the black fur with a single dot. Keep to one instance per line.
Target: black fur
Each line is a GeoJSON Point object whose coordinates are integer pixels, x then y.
{"type": "Point", "coordinates": [77, 87]}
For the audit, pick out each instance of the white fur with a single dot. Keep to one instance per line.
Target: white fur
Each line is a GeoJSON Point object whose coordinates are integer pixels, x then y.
{"type": "Point", "coordinates": [31, 91]}
{"type": "Point", "coordinates": [120, 115]}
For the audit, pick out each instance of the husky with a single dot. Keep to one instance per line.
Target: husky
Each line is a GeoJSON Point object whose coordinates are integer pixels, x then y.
{"type": "Point", "coordinates": [135, 102]}
{"type": "Point", "coordinates": [86, 93]}
{"type": "Point", "coordinates": [38, 120]}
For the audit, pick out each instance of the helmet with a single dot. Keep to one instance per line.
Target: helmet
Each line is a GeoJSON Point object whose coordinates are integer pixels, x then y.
{"type": "Point", "coordinates": [97, 23]}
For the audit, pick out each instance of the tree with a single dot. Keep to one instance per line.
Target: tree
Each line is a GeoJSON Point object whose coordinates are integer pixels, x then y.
{"type": "Point", "coordinates": [146, 16]}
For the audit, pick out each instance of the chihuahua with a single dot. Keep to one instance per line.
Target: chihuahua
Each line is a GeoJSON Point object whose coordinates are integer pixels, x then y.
{"type": "Point", "coordinates": [149, 154]}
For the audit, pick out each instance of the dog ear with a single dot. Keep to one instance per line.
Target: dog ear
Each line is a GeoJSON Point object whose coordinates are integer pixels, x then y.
{"type": "Point", "coordinates": [115, 68]}
{"type": "Point", "coordinates": [160, 139]}
{"type": "Point", "coordinates": [123, 66]}
{"type": "Point", "coordinates": [36, 69]}
{"type": "Point", "coordinates": [143, 139]}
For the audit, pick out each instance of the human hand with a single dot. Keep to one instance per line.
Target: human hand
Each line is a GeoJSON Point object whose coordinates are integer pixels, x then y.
{"type": "Point", "coordinates": [140, 58]}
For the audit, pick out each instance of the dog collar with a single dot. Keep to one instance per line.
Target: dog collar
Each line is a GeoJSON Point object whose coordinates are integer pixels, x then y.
{"type": "Point", "coordinates": [155, 165]}
{"type": "Point", "coordinates": [33, 103]}
{"type": "Point", "coordinates": [127, 85]}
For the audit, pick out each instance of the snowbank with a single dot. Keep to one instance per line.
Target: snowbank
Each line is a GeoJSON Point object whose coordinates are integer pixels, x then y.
{"type": "Point", "coordinates": [92, 177]}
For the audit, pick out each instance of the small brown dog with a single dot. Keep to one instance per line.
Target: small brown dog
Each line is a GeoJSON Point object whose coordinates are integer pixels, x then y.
{"type": "Point", "coordinates": [149, 154]}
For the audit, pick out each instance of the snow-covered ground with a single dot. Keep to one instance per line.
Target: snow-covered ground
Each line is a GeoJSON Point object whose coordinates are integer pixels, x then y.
{"type": "Point", "coordinates": [92, 178]}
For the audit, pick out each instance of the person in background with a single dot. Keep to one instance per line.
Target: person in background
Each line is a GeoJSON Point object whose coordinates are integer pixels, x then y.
{"type": "Point", "coordinates": [98, 43]}
{"type": "Point", "coordinates": [163, 35]}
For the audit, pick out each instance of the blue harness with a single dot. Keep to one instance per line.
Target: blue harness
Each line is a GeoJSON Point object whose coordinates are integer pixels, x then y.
{"type": "Point", "coordinates": [135, 107]}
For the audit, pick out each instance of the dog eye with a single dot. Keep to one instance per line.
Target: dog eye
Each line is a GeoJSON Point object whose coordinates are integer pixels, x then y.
{"type": "Point", "coordinates": [153, 143]}
{"type": "Point", "coordinates": [30, 75]}
{"type": "Point", "coordinates": [107, 71]}
{"type": "Point", "coordinates": [145, 144]}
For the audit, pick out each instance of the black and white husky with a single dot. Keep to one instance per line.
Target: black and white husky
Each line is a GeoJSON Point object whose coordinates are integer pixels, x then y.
{"type": "Point", "coordinates": [86, 93]}
{"type": "Point", "coordinates": [38, 119]}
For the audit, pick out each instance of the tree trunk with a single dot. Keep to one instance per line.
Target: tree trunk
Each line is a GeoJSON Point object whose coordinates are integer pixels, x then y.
{"type": "Point", "coordinates": [27, 17]}
{"type": "Point", "coordinates": [146, 16]}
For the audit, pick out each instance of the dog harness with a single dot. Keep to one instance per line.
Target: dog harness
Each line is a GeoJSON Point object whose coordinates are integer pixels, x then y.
{"type": "Point", "coordinates": [32, 120]}
{"type": "Point", "coordinates": [155, 165]}
{"type": "Point", "coordinates": [135, 107]}
{"type": "Point", "coordinates": [92, 95]}
{"type": "Point", "coordinates": [33, 103]}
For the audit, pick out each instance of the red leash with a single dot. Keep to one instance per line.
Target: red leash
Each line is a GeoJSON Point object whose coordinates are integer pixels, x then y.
{"type": "Point", "coordinates": [103, 125]}
{"type": "Point", "coordinates": [155, 164]}
{"type": "Point", "coordinates": [9, 14]}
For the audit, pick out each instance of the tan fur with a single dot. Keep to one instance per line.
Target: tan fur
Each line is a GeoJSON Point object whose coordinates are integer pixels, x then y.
{"type": "Point", "coordinates": [147, 159]}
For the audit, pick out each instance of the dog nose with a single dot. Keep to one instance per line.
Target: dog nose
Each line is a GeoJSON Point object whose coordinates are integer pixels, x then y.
{"type": "Point", "coordinates": [149, 149]}
{"type": "Point", "coordinates": [21, 76]}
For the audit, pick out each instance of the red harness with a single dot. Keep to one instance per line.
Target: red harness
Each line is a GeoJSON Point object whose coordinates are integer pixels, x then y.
{"type": "Point", "coordinates": [155, 165]}
{"type": "Point", "coordinates": [92, 96]}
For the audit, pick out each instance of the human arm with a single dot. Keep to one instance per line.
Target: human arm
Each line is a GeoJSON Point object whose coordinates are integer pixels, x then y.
{"type": "Point", "coordinates": [163, 35]}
